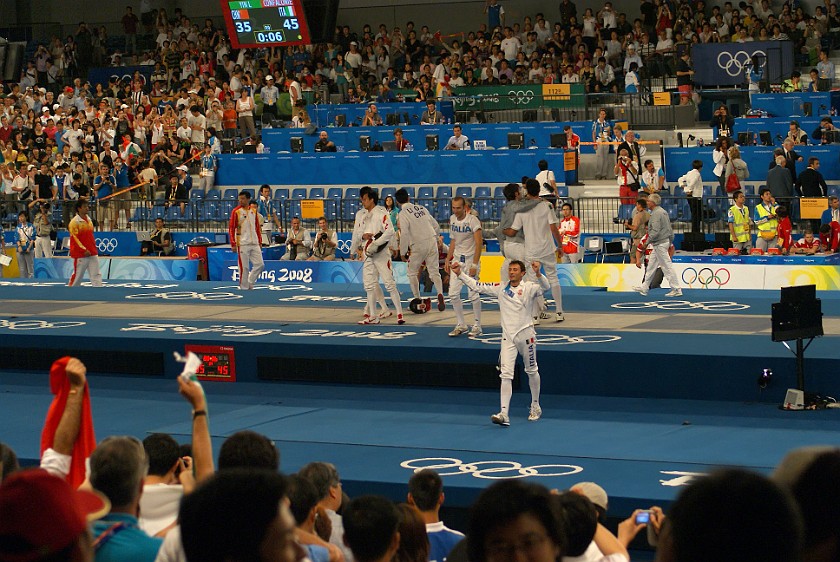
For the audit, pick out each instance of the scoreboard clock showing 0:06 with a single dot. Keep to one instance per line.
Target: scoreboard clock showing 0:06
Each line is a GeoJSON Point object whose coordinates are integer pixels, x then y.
{"type": "Point", "coordinates": [265, 23]}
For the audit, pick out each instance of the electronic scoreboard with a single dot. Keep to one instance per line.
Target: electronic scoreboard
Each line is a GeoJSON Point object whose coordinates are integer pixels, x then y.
{"type": "Point", "coordinates": [265, 23]}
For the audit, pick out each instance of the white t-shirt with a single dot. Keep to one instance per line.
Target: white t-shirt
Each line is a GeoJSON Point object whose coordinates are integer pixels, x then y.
{"type": "Point", "coordinates": [416, 225]}
{"type": "Point", "coordinates": [159, 505]}
{"type": "Point", "coordinates": [534, 224]}
{"type": "Point", "coordinates": [462, 234]}
{"type": "Point", "coordinates": [545, 177]}
{"type": "Point", "coordinates": [510, 47]}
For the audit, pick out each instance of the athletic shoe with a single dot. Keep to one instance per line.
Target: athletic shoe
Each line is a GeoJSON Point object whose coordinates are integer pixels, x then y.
{"type": "Point", "coordinates": [544, 315]}
{"type": "Point", "coordinates": [535, 413]}
{"type": "Point", "coordinates": [400, 319]}
{"type": "Point", "coordinates": [475, 331]}
{"type": "Point", "coordinates": [501, 419]}
{"type": "Point", "coordinates": [559, 317]}
{"type": "Point", "coordinates": [385, 314]}
{"type": "Point", "coordinates": [369, 320]}
{"type": "Point", "coordinates": [441, 304]}
{"type": "Point", "coordinates": [674, 293]}
{"type": "Point", "coordinates": [458, 330]}
{"type": "Point", "coordinates": [641, 291]}
{"type": "Point", "coordinates": [536, 320]}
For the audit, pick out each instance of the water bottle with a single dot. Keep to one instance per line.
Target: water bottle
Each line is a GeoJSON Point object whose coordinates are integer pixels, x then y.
{"type": "Point", "coordinates": [409, 147]}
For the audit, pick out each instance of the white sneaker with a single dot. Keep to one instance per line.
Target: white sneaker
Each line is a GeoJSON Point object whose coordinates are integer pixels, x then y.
{"type": "Point", "coordinates": [385, 314]}
{"type": "Point", "coordinates": [475, 331]}
{"type": "Point", "coordinates": [545, 315]}
{"type": "Point", "coordinates": [458, 330]}
{"type": "Point", "coordinates": [536, 320]}
{"type": "Point", "coordinates": [674, 293]}
{"type": "Point", "coordinates": [559, 317]}
{"type": "Point", "coordinates": [367, 320]}
{"type": "Point", "coordinates": [640, 290]}
{"type": "Point", "coordinates": [501, 419]}
{"type": "Point", "coordinates": [535, 413]}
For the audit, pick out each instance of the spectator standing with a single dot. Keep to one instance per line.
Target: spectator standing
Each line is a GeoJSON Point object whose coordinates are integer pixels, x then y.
{"type": "Point", "coordinates": [685, 73]}
{"type": "Point", "coordinates": [207, 171]}
{"type": "Point", "coordinates": [601, 129]}
{"type": "Point", "coordinates": [692, 183]}
{"type": "Point", "coordinates": [495, 14]}
{"type": "Point", "coordinates": [766, 221]}
{"type": "Point", "coordinates": [129, 25]}
{"type": "Point", "coordinates": [245, 114]}
{"type": "Point", "coordinates": [780, 182]}
{"type": "Point", "coordinates": [25, 242]}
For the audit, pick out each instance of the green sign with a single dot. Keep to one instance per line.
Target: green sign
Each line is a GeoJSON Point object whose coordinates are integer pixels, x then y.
{"type": "Point", "coordinates": [522, 96]}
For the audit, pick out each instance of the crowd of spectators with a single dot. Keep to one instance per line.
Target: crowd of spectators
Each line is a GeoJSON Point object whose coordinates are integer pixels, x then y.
{"type": "Point", "coordinates": [123, 499]}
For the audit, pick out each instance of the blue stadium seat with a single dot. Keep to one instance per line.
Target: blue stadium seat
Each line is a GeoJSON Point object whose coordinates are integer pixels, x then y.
{"type": "Point", "coordinates": [482, 193]}
{"type": "Point", "coordinates": [684, 211]}
{"type": "Point", "coordinates": [281, 194]}
{"type": "Point", "coordinates": [316, 193]}
{"type": "Point", "coordinates": [331, 209]}
{"type": "Point", "coordinates": [157, 212]}
{"type": "Point", "coordinates": [141, 214]}
{"type": "Point", "coordinates": [299, 193]}
{"type": "Point", "coordinates": [213, 194]}
{"type": "Point", "coordinates": [748, 190]}
{"type": "Point", "coordinates": [444, 192]}
{"type": "Point", "coordinates": [429, 204]}
{"type": "Point", "coordinates": [707, 190]}
{"type": "Point", "coordinates": [625, 212]}
{"type": "Point", "coordinates": [834, 190]}
{"type": "Point", "coordinates": [426, 193]}
{"type": "Point", "coordinates": [443, 210]}
{"type": "Point", "coordinates": [465, 191]}
{"type": "Point", "coordinates": [679, 191]}
{"type": "Point", "coordinates": [293, 208]}
{"type": "Point", "coordinates": [485, 209]}
{"type": "Point", "coordinates": [173, 214]}
{"type": "Point", "coordinates": [196, 194]}
{"type": "Point", "coordinates": [226, 208]}
{"type": "Point", "coordinates": [335, 193]}
{"type": "Point", "coordinates": [410, 190]}
{"type": "Point", "coordinates": [499, 192]}
{"type": "Point", "coordinates": [673, 212]}
{"type": "Point", "coordinates": [231, 194]}
{"type": "Point", "coordinates": [388, 191]}
{"type": "Point", "coordinates": [249, 190]}
{"type": "Point", "coordinates": [348, 209]}
{"type": "Point", "coordinates": [209, 212]}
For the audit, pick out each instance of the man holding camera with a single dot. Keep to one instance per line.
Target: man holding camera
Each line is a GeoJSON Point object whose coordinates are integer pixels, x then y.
{"type": "Point", "coordinates": [25, 241]}
{"type": "Point", "coordinates": [298, 242]}
{"type": "Point", "coordinates": [159, 242]}
{"type": "Point", "coordinates": [43, 229]}
{"type": "Point", "coordinates": [627, 177]}
{"type": "Point", "coordinates": [326, 241]}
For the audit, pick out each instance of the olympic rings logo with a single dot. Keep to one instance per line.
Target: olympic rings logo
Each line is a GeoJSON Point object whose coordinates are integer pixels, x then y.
{"type": "Point", "coordinates": [521, 97]}
{"type": "Point", "coordinates": [708, 306]}
{"type": "Point", "coordinates": [267, 287]}
{"type": "Point", "coordinates": [128, 78]}
{"type": "Point", "coordinates": [489, 470]}
{"type": "Point", "coordinates": [186, 295]}
{"type": "Point", "coordinates": [706, 276]}
{"type": "Point", "coordinates": [737, 61]}
{"type": "Point", "coordinates": [107, 244]}
{"type": "Point", "coordinates": [38, 325]}
{"type": "Point", "coordinates": [553, 339]}
{"type": "Point", "coordinates": [343, 246]}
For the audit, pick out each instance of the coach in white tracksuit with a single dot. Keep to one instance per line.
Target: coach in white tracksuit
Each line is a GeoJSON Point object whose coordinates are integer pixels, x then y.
{"type": "Point", "coordinates": [245, 238]}
{"type": "Point", "coordinates": [516, 301]}
{"type": "Point", "coordinates": [420, 233]}
{"type": "Point", "coordinates": [541, 232]}
{"type": "Point", "coordinates": [376, 232]}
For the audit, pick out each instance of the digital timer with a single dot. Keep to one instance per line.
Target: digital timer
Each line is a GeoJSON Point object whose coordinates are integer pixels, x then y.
{"type": "Point", "coordinates": [265, 23]}
{"type": "Point", "coordinates": [218, 363]}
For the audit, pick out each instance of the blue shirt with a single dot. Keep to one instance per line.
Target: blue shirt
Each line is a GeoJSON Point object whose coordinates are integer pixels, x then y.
{"type": "Point", "coordinates": [441, 541]}
{"type": "Point", "coordinates": [121, 176]}
{"type": "Point", "coordinates": [105, 189]}
{"type": "Point", "coordinates": [494, 16]}
{"type": "Point", "coordinates": [129, 544]}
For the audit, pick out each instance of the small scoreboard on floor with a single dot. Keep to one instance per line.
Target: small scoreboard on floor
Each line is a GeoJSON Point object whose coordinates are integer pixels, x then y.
{"type": "Point", "coordinates": [218, 362]}
{"type": "Point", "coordinates": [265, 23]}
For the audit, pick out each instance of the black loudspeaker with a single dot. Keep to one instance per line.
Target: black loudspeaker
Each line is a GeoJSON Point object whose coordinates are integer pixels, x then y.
{"type": "Point", "coordinates": [694, 242]}
{"type": "Point", "coordinates": [722, 240]}
{"type": "Point", "coordinates": [432, 142]}
{"type": "Point", "coordinates": [744, 139]}
{"type": "Point", "coordinates": [392, 119]}
{"type": "Point", "coordinates": [798, 315]}
{"type": "Point", "coordinates": [559, 140]}
{"type": "Point", "coordinates": [807, 109]}
{"type": "Point", "coordinates": [765, 137]}
{"type": "Point", "coordinates": [321, 16]}
{"type": "Point", "coordinates": [296, 144]}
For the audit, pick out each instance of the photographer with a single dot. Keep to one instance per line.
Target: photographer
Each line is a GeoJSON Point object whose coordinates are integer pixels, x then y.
{"type": "Point", "coordinates": [548, 184]}
{"type": "Point", "coordinates": [25, 241]}
{"type": "Point", "coordinates": [826, 133]}
{"type": "Point", "coordinates": [326, 241]}
{"type": "Point", "coordinates": [298, 242]}
{"type": "Point", "coordinates": [43, 230]}
{"type": "Point", "coordinates": [159, 242]}
{"type": "Point", "coordinates": [627, 178]}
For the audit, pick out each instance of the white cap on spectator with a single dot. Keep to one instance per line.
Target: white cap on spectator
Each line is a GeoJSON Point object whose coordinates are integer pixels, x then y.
{"type": "Point", "coordinates": [182, 167]}
{"type": "Point", "coordinates": [595, 493]}
{"type": "Point", "coordinates": [45, 109]}
{"type": "Point", "coordinates": [123, 106]}
{"type": "Point", "coordinates": [55, 106]}
{"type": "Point", "coordinates": [269, 77]}
{"type": "Point", "coordinates": [354, 43]}
{"type": "Point", "coordinates": [42, 90]}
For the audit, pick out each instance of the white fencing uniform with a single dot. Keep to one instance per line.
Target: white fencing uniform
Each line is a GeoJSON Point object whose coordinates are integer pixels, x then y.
{"type": "Point", "coordinates": [377, 265]}
{"type": "Point", "coordinates": [462, 242]}
{"type": "Point", "coordinates": [518, 335]}
{"type": "Point", "coordinates": [419, 233]}
{"type": "Point", "coordinates": [356, 244]}
{"type": "Point", "coordinates": [540, 246]}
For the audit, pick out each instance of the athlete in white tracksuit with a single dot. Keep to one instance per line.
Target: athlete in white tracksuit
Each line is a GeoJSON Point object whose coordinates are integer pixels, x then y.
{"type": "Point", "coordinates": [420, 233]}
{"type": "Point", "coordinates": [465, 245]}
{"type": "Point", "coordinates": [376, 230]}
{"type": "Point", "coordinates": [357, 247]}
{"type": "Point", "coordinates": [540, 228]}
{"type": "Point", "coordinates": [516, 301]}
{"type": "Point", "coordinates": [245, 238]}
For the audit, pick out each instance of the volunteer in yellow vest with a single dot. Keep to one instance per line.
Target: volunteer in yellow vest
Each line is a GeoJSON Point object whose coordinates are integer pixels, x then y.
{"type": "Point", "coordinates": [766, 221]}
{"type": "Point", "coordinates": [739, 222]}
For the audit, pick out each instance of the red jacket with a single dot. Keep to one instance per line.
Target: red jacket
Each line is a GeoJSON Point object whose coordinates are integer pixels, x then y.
{"type": "Point", "coordinates": [831, 240]}
{"type": "Point", "coordinates": [236, 219]}
{"type": "Point", "coordinates": [81, 237]}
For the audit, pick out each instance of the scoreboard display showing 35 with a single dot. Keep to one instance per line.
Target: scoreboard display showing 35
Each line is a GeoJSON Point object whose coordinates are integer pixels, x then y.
{"type": "Point", "coordinates": [265, 23]}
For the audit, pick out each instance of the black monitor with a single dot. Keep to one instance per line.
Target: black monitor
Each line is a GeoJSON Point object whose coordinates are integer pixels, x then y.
{"type": "Point", "coordinates": [765, 137]}
{"type": "Point", "coordinates": [364, 143]}
{"type": "Point", "coordinates": [392, 119]}
{"type": "Point", "coordinates": [559, 140]}
{"type": "Point", "coordinates": [744, 139]}
{"type": "Point", "coordinates": [432, 142]}
{"type": "Point", "coordinates": [799, 293]}
{"type": "Point", "coordinates": [296, 144]}
{"type": "Point", "coordinates": [249, 149]}
{"type": "Point", "coordinates": [516, 140]}
{"type": "Point", "coordinates": [341, 120]}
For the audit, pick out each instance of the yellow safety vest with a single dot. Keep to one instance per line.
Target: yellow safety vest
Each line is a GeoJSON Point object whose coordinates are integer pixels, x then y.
{"type": "Point", "coordinates": [741, 223]}
{"type": "Point", "coordinates": [769, 225]}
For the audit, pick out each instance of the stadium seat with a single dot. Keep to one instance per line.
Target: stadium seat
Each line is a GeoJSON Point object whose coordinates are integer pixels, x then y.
{"type": "Point", "coordinates": [196, 194]}
{"type": "Point", "coordinates": [293, 208]}
{"type": "Point", "coordinates": [592, 246]}
{"type": "Point", "coordinates": [335, 193]}
{"type": "Point", "coordinates": [281, 194]}
{"type": "Point", "coordinates": [464, 191]}
{"type": "Point", "coordinates": [443, 210]}
{"type": "Point", "coordinates": [316, 193]}
{"type": "Point", "coordinates": [427, 193]}
{"type": "Point", "coordinates": [141, 214]}
{"type": "Point", "coordinates": [562, 191]}
{"type": "Point", "coordinates": [482, 193]}
{"type": "Point", "coordinates": [213, 194]}
{"type": "Point", "coordinates": [410, 190]}
{"type": "Point", "coordinates": [173, 215]}
{"type": "Point", "coordinates": [485, 209]}
{"type": "Point", "coordinates": [444, 192]}
{"type": "Point", "coordinates": [625, 212]}
{"type": "Point", "coordinates": [429, 204]}
{"type": "Point", "coordinates": [348, 210]}
{"type": "Point", "coordinates": [209, 212]}
{"type": "Point", "coordinates": [331, 209]}
{"type": "Point", "coordinates": [499, 192]}
{"type": "Point", "coordinates": [249, 190]}
{"type": "Point", "coordinates": [388, 191]}
{"type": "Point", "coordinates": [299, 193]}
{"type": "Point", "coordinates": [231, 194]}
{"type": "Point", "coordinates": [834, 190]}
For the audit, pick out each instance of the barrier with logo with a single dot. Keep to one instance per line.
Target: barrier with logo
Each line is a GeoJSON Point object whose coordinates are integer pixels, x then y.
{"type": "Point", "coordinates": [338, 272]}
{"type": "Point", "coordinates": [678, 161]}
{"type": "Point", "coordinates": [126, 243]}
{"type": "Point", "coordinates": [496, 135]}
{"type": "Point", "coordinates": [325, 115]}
{"type": "Point", "coordinates": [395, 168]}
{"type": "Point", "coordinates": [519, 96]}
{"type": "Point", "coordinates": [134, 269]}
{"type": "Point", "coordinates": [792, 104]}
{"type": "Point", "coordinates": [776, 127]}
{"type": "Point", "coordinates": [101, 75]}
{"type": "Point", "coordinates": [727, 64]}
